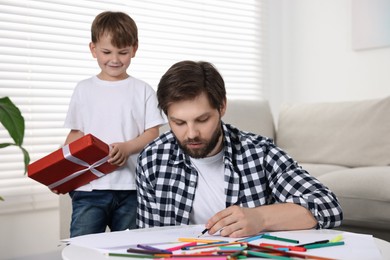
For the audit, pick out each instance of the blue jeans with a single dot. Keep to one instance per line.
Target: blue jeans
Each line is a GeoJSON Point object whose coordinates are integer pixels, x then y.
{"type": "Point", "coordinates": [94, 210]}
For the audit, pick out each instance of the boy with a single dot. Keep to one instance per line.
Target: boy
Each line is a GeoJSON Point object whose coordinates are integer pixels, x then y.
{"type": "Point", "coordinates": [121, 111]}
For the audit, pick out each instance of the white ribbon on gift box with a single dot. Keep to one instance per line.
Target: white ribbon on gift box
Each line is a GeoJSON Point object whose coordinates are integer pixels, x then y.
{"type": "Point", "coordinates": [89, 167]}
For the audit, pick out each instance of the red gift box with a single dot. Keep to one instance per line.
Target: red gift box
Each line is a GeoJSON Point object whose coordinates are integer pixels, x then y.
{"type": "Point", "coordinates": [74, 165]}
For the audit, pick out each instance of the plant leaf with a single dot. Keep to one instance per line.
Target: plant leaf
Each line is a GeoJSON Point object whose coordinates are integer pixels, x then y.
{"type": "Point", "coordinates": [12, 120]}
{"type": "Point", "coordinates": [26, 159]}
{"type": "Point", "coordinates": [5, 145]}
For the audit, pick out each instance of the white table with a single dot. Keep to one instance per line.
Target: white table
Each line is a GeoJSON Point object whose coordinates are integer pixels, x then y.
{"type": "Point", "coordinates": [81, 251]}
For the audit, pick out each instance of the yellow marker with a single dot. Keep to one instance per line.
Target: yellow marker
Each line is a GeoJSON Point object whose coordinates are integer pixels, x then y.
{"type": "Point", "coordinates": [183, 239]}
{"type": "Point", "coordinates": [337, 239]}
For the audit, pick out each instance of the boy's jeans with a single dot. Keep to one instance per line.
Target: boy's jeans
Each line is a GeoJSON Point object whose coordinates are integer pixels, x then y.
{"type": "Point", "coordinates": [94, 210]}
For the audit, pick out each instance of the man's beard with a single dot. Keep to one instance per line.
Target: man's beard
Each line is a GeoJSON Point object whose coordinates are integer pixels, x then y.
{"type": "Point", "coordinates": [202, 152]}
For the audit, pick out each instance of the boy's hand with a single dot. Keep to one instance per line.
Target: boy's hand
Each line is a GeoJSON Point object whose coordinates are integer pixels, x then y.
{"type": "Point", "coordinates": [55, 191]}
{"type": "Point", "coordinates": [118, 154]}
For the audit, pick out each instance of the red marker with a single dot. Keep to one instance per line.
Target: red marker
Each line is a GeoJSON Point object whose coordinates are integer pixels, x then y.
{"type": "Point", "coordinates": [292, 248]}
{"type": "Point", "coordinates": [181, 246]}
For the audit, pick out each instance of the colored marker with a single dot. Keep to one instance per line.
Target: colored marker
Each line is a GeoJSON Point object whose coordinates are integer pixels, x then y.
{"type": "Point", "coordinates": [181, 246]}
{"type": "Point", "coordinates": [266, 255]}
{"type": "Point", "coordinates": [214, 257]}
{"type": "Point", "coordinates": [337, 238]}
{"type": "Point", "coordinates": [313, 243]}
{"type": "Point", "coordinates": [290, 254]}
{"type": "Point", "coordinates": [249, 239]}
{"type": "Point", "coordinates": [280, 239]}
{"type": "Point", "coordinates": [155, 249]}
{"type": "Point", "coordinates": [184, 239]}
{"type": "Point", "coordinates": [211, 245]}
{"type": "Point", "coordinates": [232, 248]}
{"type": "Point", "coordinates": [292, 248]}
{"type": "Point", "coordinates": [134, 255]}
{"type": "Point", "coordinates": [203, 232]}
{"type": "Point", "coordinates": [325, 245]}
{"type": "Point", "coordinates": [234, 255]}
{"type": "Point", "coordinates": [146, 252]}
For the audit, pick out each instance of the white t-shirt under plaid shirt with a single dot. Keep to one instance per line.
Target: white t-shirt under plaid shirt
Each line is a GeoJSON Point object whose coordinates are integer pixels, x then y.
{"type": "Point", "coordinates": [210, 195]}
{"type": "Point", "coordinates": [257, 173]}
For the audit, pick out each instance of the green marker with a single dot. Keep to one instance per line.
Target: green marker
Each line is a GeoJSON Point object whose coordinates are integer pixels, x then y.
{"type": "Point", "coordinates": [324, 245]}
{"type": "Point", "coordinates": [266, 255]}
{"type": "Point", "coordinates": [280, 239]}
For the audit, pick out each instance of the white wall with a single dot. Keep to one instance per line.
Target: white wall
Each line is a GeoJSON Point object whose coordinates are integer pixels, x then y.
{"type": "Point", "coordinates": [312, 59]}
{"type": "Point", "coordinates": [26, 234]}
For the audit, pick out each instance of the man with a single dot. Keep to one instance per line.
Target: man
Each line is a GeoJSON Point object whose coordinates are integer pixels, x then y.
{"type": "Point", "coordinates": [206, 171]}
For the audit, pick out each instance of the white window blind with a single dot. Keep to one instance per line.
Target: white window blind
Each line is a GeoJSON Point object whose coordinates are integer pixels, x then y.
{"type": "Point", "coordinates": [44, 53]}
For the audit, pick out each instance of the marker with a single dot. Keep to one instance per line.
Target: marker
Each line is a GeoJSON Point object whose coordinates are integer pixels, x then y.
{"type": "Point", "coordinates": [155, 249]}
{"type": "Point", "coordinates": [185, 239]}
{"type": "Point", "coordinates": [290, 254]}
{"type": "Point", "coordinates": [313, 243]}
{"type": "Point", "coordinates": [234, 255]}
{"type": "Point", "coordinates": [292, 248]}
{"type": "Point", "coordinates": [203, 232]}
{"type": "Point", "coordinates": [249, 239]}
{"type": "Point", "coordinates": [325, 245]}
{"type": "Point", "coordinates": [337, 238]}
{"type": "Point", "coordinates": [213, 257]}
{"type": "Point", "coordinates": [280, 239]}
{"type": "Point", "coordinates": [181, 246]}
{"type": "Point", "coordinates": [266, 255]}
{"type": "Point", "coordinates": [198, 254]}
{"type": "Point", "coordinates": [146, 252]}
{"type": "Point", "coordinates": [134, 255]}
{"type": "Point", "coordinates": [217, 245]}
{"type": "Point", "coordinates": [232, 248]}
{"type": "Point", "coordinates": [214, 244]}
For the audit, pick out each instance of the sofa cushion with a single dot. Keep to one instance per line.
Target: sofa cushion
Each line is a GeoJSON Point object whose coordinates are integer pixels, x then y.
{"type": "Point", "coordinates": [251, 115]}
{"type": "Point", "coordinates": [352, 134]}
{"type": "Point", "coordinates": [363, 193]}
{"type": "Point", "coordinates": [317, 170]}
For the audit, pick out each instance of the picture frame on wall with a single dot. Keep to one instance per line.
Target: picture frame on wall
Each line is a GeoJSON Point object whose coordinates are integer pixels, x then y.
{"type": "Point", "coordinates": [370, 24]}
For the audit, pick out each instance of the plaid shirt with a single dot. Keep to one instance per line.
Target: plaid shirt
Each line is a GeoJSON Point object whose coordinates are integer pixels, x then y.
{"type": "Point", "coordinates": [256, 173]}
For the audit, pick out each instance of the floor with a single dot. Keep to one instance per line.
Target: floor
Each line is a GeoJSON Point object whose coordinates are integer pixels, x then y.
{"type": "Point", "coordinates": [55, 255]}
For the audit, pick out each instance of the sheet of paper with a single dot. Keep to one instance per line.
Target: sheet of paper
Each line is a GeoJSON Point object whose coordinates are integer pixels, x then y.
{"type": "Point", "coordinates": [357, 246]}
{"type": "Point", "coordinates": [127, 238]}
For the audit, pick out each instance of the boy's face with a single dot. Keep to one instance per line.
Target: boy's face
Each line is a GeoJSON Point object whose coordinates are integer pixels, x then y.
{"type": "Point", "coordinates": [196, 126]}
{"type": "Point", "coordinates": [112, 61]}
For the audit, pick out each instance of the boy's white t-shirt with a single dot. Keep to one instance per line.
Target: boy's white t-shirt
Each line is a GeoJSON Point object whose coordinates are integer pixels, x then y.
{"type": "Point", "coordinates": [210, 195]}
{"type": "Point", "coordinates": [114, 111]}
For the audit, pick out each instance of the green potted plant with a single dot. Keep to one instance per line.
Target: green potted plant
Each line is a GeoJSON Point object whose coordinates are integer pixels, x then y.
{"type": "Point", "coordinates": [12, 120]}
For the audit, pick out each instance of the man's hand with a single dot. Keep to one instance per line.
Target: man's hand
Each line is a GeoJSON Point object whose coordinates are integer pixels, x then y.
{"type": "Point", "coordinates": [235, 221]}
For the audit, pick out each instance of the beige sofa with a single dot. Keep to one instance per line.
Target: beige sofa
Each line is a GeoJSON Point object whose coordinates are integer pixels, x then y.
{"type": "Point", "coordinates": [346, 145]}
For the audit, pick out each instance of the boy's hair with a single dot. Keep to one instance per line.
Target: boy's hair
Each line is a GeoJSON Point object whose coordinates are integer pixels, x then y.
{"type": "Point", "coordinates": [118, 25]}
{"type": "Point", "coordinates": [186, 80]}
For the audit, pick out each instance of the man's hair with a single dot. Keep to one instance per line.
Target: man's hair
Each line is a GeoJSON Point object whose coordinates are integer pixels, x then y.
{"type": "Point", "coordinates": [186, 80]}
{"type": "Point", "coordinates": [122, 29]}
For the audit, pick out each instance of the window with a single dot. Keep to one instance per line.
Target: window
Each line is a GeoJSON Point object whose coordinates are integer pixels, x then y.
{"type": "Point", "coordinates": [44, 53]}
